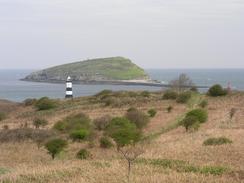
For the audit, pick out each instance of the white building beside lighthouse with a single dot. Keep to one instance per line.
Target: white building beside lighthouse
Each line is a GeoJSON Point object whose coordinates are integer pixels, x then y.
{"type": "Point", "coordinates": [69, 91]}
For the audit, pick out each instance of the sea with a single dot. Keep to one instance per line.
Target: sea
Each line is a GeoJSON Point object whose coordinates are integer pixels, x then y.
{"type": "Point", "coordinates": [11, 88]}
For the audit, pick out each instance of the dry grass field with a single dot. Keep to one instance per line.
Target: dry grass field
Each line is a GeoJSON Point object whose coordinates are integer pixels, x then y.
{"type": "Point", "coordinates": [171, 155]}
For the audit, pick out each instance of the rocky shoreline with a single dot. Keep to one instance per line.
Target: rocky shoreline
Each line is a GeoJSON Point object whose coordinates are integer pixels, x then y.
{"type": "Point", "coordinates": [109, 82]}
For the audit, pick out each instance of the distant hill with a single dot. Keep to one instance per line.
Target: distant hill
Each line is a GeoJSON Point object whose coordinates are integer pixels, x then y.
{"type": "Point", "coordinates": [100, 69]}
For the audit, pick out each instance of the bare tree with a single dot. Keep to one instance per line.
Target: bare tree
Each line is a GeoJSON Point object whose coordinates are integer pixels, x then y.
{"type": "Point", "coordinates": [182, 83]}
{"type": "Point", "coordinates": [131, 153]}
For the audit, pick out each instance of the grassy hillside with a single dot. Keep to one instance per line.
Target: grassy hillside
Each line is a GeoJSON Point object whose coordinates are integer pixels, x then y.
{"type": "Point", "coordinates": [114, 68]}
{"type": "Point", "coordinates": [170, 153]}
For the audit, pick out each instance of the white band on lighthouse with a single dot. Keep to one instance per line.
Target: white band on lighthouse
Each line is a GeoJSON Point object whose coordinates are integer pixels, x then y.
{"type": "Point", "coordinates": [69, 92]}
{"type": "Point", "coordinates": [68, 85]}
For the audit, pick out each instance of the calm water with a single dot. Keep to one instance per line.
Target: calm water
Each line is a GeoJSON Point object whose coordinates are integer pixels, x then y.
{"type": "Point", "coordinates": [13, 89]}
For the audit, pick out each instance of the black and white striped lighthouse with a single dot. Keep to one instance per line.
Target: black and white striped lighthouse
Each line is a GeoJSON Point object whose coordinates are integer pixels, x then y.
{"type": "Point", "coordinates": [69, 92]}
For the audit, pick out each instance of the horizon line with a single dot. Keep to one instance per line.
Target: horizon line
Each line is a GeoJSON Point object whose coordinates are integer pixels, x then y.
{"type": "Point", "coordinates": [170, 68]}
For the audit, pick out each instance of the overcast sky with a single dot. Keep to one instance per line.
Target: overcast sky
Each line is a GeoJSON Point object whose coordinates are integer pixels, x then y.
{"type": "Point", "coordinates": [152, 33]}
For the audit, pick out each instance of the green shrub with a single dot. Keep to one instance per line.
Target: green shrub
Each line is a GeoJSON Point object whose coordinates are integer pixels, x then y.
{"type": "Point", "coordinates": [102, 122]}
{"type": "Point", "coordinates": [152, 113]}
{"type": "Point", "coordinates": [105, 142]}
{"type": "Point", "coordinates": [132, 94]}
{"type": "Point", "coordinates": [200, 114]}
{"type": "Point", "coordinates": [45, 104]}
{"type": "Point", "coordinates": [112, 101]}
{"type": "Point", "coordinates": [138, 117]}
{"type": "Point", "coordinates": [2, 116]}
{"type": "Point", "coordinates": [217, 141]}
{"type": "Point", "coordinates": [29, 102]}
{"type": "Point", "coordinates": [79, 135]}
{"type": "Point", "coordinates": [170, 95]}
{"type": "Point", "coordinates": [40, 122]}
{"type": "Point", "coordinates": [131, 109]}
{"type": "Point", "coordinates": [83, 154]}
{"type": "Point", "coordinates": [194, 89]}
{"type": "Point", "coordinates": [3, 171]}
{"type": "Point", "coordinates": [123, 132]}
{"type": "Point", "coordinates": [190, 122]}
{"type": "Point", "coordinates": [183, 166]}
{"type": "Point", "coordinates": [203, 103]}
{"type": "Point", "coordinates": [55, 146]}
{"type": "Point", "coordinates": [74, 122]}
{"type": "Point", "coordinates": [145, 94]}
{"type": "Point", "coordinates": [217, 90]}
{"type": "Point", "coordinates": [183, 97]}
{"type": "Point", "coordinates": [209, 170]}
{"type": "Point", "coordinates": [169, 109]}
{"type": "Point", "coordinates": [60, 126]}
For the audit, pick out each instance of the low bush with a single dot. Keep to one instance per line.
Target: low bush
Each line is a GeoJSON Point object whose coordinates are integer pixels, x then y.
{"type": "Point", "coordinates": [29, 101]}
{"type": "Point", "coordinates": [102, 122]}
{"type": "Point", "coordinates": [190, 122]}
{"type": "Point", "coordinates": [45, 104]}
{"type": "Point", "coordinates": [203, 104]}
{"type": "Point", "coordinates": [24, 134]}
{"type": "Point", "coordinates": [200, 114]}
{"type": "Point", "coordinates": [138, 117]}
{"type": "Point", "coordinates": [3, 171]}
{"type": "Point", "coordinates": [145, 94]}
{"type": "Point", "coordinates": [55, 146]}
{"type": "Point", "coordinates": [183, 97]}
{"type": "Point", "coordinates": [2, 116]}
{"type": "Point", "coordinates": [169, 109]}
{"type": "Point", "coordinates": [217, 141]}
{"type": "Point", "coordinates": [131, 109]}
{"type": "Point", "coordinates": [152, 113]}
{"type": "Point", "coordinates": [104, 93]}
{"type": "Point", "coordinates": [74, 122]}
{"type": "Point", "coordinates": [5, 127]}
{"type": "Point", "coordinates": [132, 94]}
{"type": "Point", "coordinates": [170, 95]}
{"type": "Point", "coordinates": [194, 89]}
{"type": "Point", "coordinates": [79, 135]}
{"type": "Point", "coordinates": [39, 122]}
{"type": "Point", "coordinates": [105, 142]}
{"type": "Point", "coordinates": [209, 170]}
{"type": "Point", "coordinates": [123, 132]}
{"type": "Point", "coordinates": [83, 154]}
{"type": "Point", "coordinates": [217, 90]}
{"type": "Point", "coordinates": [60, 126]}
{"type": "Point", "coordinates": [112, 101]}
{"type": "Point", "coordinates": [183, 166]}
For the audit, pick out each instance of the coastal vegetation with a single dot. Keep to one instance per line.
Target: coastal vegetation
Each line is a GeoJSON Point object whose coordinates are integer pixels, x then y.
{"type": "Point", "coordinates": [2, 116]}
{"type": "Point", "coordinates": [83, 154]}
{"type": "Point", "coordinates": [55, 146]}
{"type": "Point", "coordinates": [40, 122]}
{"type": "Point", "coordinates": [217, 90]}
{"type": "Point", "coordinates": [170, 95]}
{"type": "Point", "coordinates": [217, 141]}
{"type": "Point", "coordinates": [45, 103]}
{"type": "Point", "coordinates": [139, 137]}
